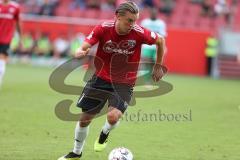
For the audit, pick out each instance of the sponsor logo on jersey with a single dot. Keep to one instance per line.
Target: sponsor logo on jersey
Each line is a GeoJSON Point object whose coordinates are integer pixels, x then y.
{"type": "Point", "coordinates": [123, 47]}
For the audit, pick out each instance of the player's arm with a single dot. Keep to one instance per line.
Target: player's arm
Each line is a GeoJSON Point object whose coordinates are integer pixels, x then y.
{"type": "Point", "coordinates": [158, 73]}
{"type": "Point", "coordinates": [90, 40]}
{"type": "Point", "coordinates": [153, 38]}
{"type": "Point", "coordinates": [83, 50]}
{"type": "Point", "coordinates": [160, 44]}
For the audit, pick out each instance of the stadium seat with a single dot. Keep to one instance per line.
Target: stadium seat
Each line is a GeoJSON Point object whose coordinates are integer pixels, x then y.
{"type": "Point", "coordinates": [106, 15]}
{"type": "Point", "coordinates": [91, 13]}
{"type": "Point", "coordinates": [77, 13]}
{"type": "Point", "coordinates": [61, 11]}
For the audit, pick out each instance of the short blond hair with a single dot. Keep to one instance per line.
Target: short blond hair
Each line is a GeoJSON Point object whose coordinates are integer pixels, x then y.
{"type": "Point", "coordinates": [127, 6]}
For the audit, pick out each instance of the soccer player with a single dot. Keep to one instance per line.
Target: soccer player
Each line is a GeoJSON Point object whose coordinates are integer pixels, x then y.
{"type": "Point", "coordinates": [149, 51]}
{"type": "Point", "coordinates": [116, 63]}
{"type": "Point", "coordinates": [9, 18]}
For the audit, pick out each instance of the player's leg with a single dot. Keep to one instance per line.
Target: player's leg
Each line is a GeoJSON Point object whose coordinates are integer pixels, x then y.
{"type": "Point", "coordinates": [2, 67]}
{"type": "Point", "coordinates": [3, 60]}
{"type": "Point", "coordinates": [112, 122]}
{"type": "Point", "coordinates": [81, 132]}
{"type": "Point", "coordinates": [91, 102]}
{"type": "Point", "coordinates": [118, 104]}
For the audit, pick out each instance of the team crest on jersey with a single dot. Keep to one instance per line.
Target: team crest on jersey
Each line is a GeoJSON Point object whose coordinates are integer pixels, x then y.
{"type": "Point", "coordinates": [131, 43]}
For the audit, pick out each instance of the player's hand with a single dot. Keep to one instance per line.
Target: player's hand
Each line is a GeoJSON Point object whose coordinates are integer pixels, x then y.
{"type": "Point", "coordinates": [81, 53]}
{"type": "Point", "coordinates": [157, 72]}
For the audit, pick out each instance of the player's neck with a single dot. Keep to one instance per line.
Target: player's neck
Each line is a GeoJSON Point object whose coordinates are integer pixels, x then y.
{"type": "Point", "coordinates": [118, 30]}
{"type": "Point", "coordinates": [5, 2]}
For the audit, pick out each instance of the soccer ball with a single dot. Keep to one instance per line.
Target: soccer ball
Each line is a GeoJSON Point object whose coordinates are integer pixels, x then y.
{"type": "Point", "coordinates": [120, 153]}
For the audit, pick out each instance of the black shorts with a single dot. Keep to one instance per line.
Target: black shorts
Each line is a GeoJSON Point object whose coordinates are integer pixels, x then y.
{"type": "Point", "coordinates": [98, 91]}
{"type": "Point", "coordinates": [4, 49]}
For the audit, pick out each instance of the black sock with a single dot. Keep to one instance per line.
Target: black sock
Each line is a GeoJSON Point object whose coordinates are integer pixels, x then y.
{"type": "Point", "coordinates": [103, 137]}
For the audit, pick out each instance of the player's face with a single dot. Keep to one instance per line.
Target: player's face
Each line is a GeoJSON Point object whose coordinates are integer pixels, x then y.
{"type": "Point", "coordinates": [126, 22]}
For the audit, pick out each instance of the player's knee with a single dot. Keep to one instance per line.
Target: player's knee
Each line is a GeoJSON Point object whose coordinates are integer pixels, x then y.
{"type": "Point", "coordinates": [85, 120]}
{"type": "Point", "coordinates": [84, 123]}
{"type": "Point", "coordinates": [2, 67]}
{"type": "Point", "coordinates": [113, 117]}
{"type": "Point", "coordinates": [3, 57]}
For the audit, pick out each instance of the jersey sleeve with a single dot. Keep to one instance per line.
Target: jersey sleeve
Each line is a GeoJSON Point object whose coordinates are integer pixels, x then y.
{"type": "Point", "coordinates": [95, 35]}
{"type": "Point", "coordinates": [149, 37]}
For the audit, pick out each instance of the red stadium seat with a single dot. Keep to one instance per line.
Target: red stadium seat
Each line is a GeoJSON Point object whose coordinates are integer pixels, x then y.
{"type": "Point", "coordinates": [61, 11]}
{"type": "Point", "coordinates": [77, 13]}
{"type": "Point", "coordinates": [106, 15]}
{"type": "Point", "coordinates": [91, 13]}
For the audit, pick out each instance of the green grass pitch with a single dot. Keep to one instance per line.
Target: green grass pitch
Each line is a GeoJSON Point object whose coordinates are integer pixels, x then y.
{"type": "Point", "coordinates": [30, 130]}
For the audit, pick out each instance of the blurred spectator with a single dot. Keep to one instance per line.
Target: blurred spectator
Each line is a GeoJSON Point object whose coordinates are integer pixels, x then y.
{"type": "Point", "coordinates": [167, 6]}
{"type": "Point", "coordinates": [93, 4]}
{"type": "Point", "coordinates": [32, 7]}
{"type": "Point", "coordinates": [15, 44]}
{"type": "Point", "coordinates": [108, 5]}
{"type": "Point", "coordinates": [153, 23]}
{"type": "Point", "coordinates": [48, 7]}
{"type": "Point", "coordinates": [43, 45]}
{"type": "Point", "coordinates": [207, 8]}
{"type": "Point", "coordinates": [197, 1]}
{"type": "Point", "coordinates": [221, 8]}
{"type": "Point", "coordinates": [148, 3]}
{"type": "Point", "coordinates": [211, 52]}
{"type": "Point", "coordinates": [60, 46]}
{"type": "Point", "coordinates": [76, 42]}
{"type": "Point", "coordinates": [27, 44]}
{"type": "Point", "coordinates": [78, 4]}
{"type": "Point", "coordinates": [235, 2]}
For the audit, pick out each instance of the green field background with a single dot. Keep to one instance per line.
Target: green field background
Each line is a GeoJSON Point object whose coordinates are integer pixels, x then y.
{"type": "Point", "coordinates": [30, 130]}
